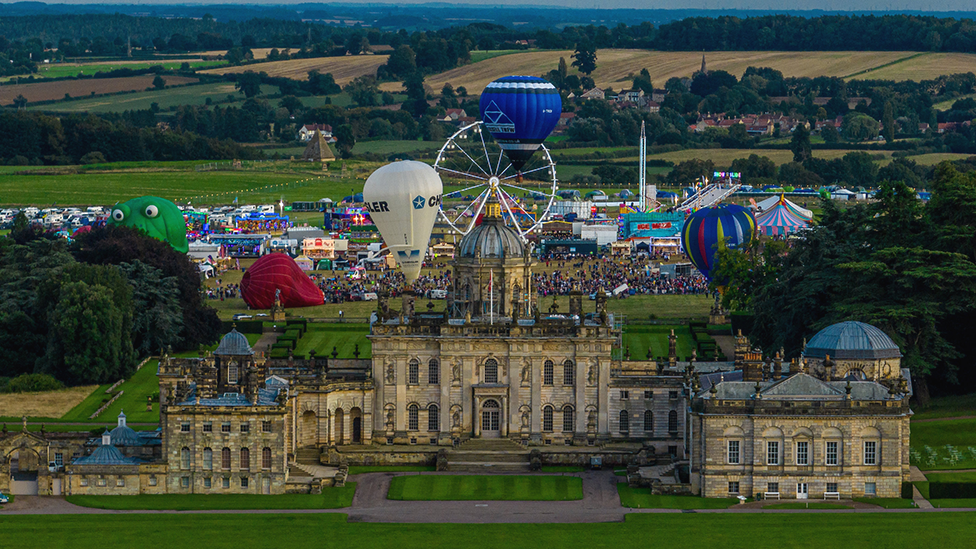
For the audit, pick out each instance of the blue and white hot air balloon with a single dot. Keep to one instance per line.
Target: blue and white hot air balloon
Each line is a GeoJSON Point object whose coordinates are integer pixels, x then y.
{"type": "Point", "coordinates": [520, 112]}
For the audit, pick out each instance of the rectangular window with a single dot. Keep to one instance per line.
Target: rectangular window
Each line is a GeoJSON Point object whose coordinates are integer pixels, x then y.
{"type": "Point", "coordinates": [184, 482]}
{"type": "Point", "coordinates": [830, 457]}
{"type": "Point", "coordinates": [225, 427]}
{"type": "Point", "coordinates": [225, 482]}
{"type": "Point", "coordinates": [120, 482]}
{"type": "Point", "coordinates": [734, 487]}
{"type": "Point", "coordinates": [413, 373]}
{"type": "Point", "coordinates": [672, 394]}
{"type": "Point", "coordinates": [208, 483]}
{"type": "Point", "coordinates": [265, 426]}
{"type": "Point", "coordinates": [185, 427]}
{"type": "Point", "coordinates": [59, 459]}
{"type": "Point", "coordinates": [648, 395]}
{"type": "Point", "coordinates": [153, 481]}
{"type": "Point", "coordinates": [208, 427]}
{"type": "Point", "coordinates": [803, 453]}
{"type": "Point", "coordinates": [624, 395]}
{"type": "Point", "coordinates": [831, 487]}
{"type": "Point", "coordinates": [870, 489]}
{"type": "Point", "coordinates": [733, 453]}
{"type": "Point", "coordinates": [673, 451]}
{"type": "Point", "coordinates": [245, 427]}
{"type": "Point", "coordinates": [84, 482]}
{"type": "Point", "coordinates": [101, 482]}
{"type": "Point", "coordinates": [772, 487]}
{"type": "Point", "coordinates": [244, 482]}
{"type": "Point", "coordinates": [870, 452]}
{"type": "Point", "coordinates": [772, 453]}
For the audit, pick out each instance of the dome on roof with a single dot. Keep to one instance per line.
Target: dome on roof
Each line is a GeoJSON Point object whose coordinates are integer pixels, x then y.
{"type": "Point", "coordinates": [491, 240]}
{"type": "Point", "coordinates": [106, 454]}
{"type": "Point", "coordinates": [123, 435]}
{"type": "Point", "coordinates": [851, 340]}
{"type": "Point", "coordinates": [234, 343]}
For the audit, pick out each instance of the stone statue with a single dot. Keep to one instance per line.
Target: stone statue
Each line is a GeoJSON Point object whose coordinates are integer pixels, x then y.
{"type": "Point", "coordinates": [456, 371]}
{"type": "Point", "coordinates": [456, 419]}
{"type": "Point", "coordinates": [526, 372]}
{"type": "Point", "coordinates": [591, 375]}
{"type": "Point", "coordinates": [525, 416]}
{"type": "Point", "coordinates": [391, 372]}
{"type": "Point", "coordinates": [390, 417]}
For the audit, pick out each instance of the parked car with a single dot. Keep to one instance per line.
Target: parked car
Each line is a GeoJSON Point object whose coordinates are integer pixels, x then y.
{"type": "Point", "coordinates": [242, 316]}
{"type": "Point", "coordinates": [3, 498]}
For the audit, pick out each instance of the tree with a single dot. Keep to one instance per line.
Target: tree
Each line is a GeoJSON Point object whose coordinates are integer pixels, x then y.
{"type": "Point", "coordinates": [88, 335]}
{"type": "Point", "coordinates": [829, 134]}
{"type": "Point", "coordinates": [800, 144]}
{"type": "Point", "coordinates": [643, 82]}
{"type": "Point", "coordinates": [157, 318]}
{"type": "Point", "coordinates": [322, 84]}
{"type": "Point", "coordinates": [345, 140]}
{"type": "Point", "coordinates": [416, 103]}
{"type": "Point", "coordinates": [859, 127]}
{"type": "Point", "coordinates": [888, 123]}
{"type": "Point", "coordinates": [292, 103]}
{"type": "Point", "coordinates": [248, 83]}
{"type": "Point", "coordinates": [685, 173]}
{"type": "Point", "coordinates": [584, 58]}
{"type": "Point", "coordinates": [402, 62]}
{"type": "Point", "coordinates": [363, 90]}
{"type": "Point", "coordinates": [448, 98]}
{"type": "Point", "coordinates": [159, 82]}
{"type": "Point", "coordinates": [20, 102]}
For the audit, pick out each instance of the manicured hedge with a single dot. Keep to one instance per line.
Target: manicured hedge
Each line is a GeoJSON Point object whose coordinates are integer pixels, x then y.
{"type": "Point", "coordinates": [906, 490]}
{"type": "Point", "coordinates": [952, 490]}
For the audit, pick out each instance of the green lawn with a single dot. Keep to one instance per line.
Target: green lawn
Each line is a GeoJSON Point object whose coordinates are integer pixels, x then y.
{"type": "Point", "coordinates": [360, 469]}
{"type": "Point", "coordinates": [968, 476]}
{"type": "Point", "coordinates": [344, 337]}
{"type": "Point", "coordinates": [87, 407]}
{"type": "Point", "coordinates": [954, 503]}
{"type": "Point", "coordinates": [947, 406]}
{"type": "Point", "coordinates": [563, 468]}
{"type": "Point", "coordinates": [676, 531]}
{"type": "Point", "coordinates": [949, 444]}
{"type": "Point", "coordinates": [642, 498]}
{"type": "Point", "coordinates": [807, 505]}
{"type": "Point", "coordinates": [330, 498]}
{"type": "Point", "coordinates": [888, 503]}
{"type": "Point", "coordinates": [58, 70]}
{"type": "Point", "coordinates": [485, 487]}
{"type": "Point", "coordinates": [136, 389]}
{"type": "Point", "coordinates": [638, 338]}
{"type": "Point", "coordinates": [482, 55]}
{"type": "Point", "coordinates": [196, 94]}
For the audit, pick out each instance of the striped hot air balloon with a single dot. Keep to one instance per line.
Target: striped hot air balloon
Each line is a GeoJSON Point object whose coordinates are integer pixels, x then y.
{"type": "Point", "coordinates": [520, 112]}
{"type": "Point", "coordinates": [728, 226]}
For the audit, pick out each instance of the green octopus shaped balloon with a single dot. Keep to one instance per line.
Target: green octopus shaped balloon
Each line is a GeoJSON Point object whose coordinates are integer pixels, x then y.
{"type": "Point", "coordinates": [158, 217]}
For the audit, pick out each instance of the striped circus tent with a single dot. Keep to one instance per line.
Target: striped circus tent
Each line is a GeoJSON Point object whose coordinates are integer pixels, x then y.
{"type": "Point", "coordinates": [781, 219]}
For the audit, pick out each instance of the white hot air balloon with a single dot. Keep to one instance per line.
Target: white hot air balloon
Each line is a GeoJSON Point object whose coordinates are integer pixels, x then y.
{"type": "Point", "coordinates": [402, 199]}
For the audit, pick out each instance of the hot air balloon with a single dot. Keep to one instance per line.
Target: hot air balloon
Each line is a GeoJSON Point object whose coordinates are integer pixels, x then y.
{"type": "Point", "coordinates": [728, 226]}
{"type": "Point", "coordinates": [402, 199]}
{"type": "Point", "coordinates": [520, 112]}
{"type": "Point", "coordinates": [274, 272]}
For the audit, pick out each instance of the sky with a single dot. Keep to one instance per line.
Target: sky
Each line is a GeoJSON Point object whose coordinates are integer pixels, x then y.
{"type": "Point", "coordinates": [827, 5]}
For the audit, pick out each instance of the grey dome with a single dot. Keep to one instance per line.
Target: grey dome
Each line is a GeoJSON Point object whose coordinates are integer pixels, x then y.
{"type": "Point", "coordinates": [492, 239]}
{"type": "Point", "coordinates": [106, 454]}
{"type": "Point", "coordinates": [123, 435]}
{"type": "Point", "coordinates": [234, 344]}
{"type": "Point", "coordinates": [851, 340]}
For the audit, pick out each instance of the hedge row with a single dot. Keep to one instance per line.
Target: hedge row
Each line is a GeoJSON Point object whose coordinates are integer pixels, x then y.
{"type": "Point", "coordinates": [952, 490]}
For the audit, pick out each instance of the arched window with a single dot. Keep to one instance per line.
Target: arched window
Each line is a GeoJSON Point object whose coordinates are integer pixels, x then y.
{"type": "Point", "coordinates": [433, 372]}
{"type": "Point", "coordinates": [207, 459]}
{"type": "Point", "coordinates": [624, 422]}
{"type": "Point", "coordinates": [433, 418]}
{"type": "Point", "coordinates": [245, 459]}
{"type": "Point", "coordinates": [413, 417]}
{"type": "Point", "coordinates": [648, 421]}
{"type": "Point", "coordinates": [225, 459]}
{"type": "Point", "coordinates": [547, 419]}
{"type": "Point", "coordinates": [491, 371]}
{"type": "Point", "coordinates": [673, 421]}
{"type": "Point", "coordinates": [569, 419]}
{"type": "Point", "coordinates": [266, 458]}
{"type": "Point", "coordinates": [547, 374]}
{"type": "Point", "coordinates": [569, 373]}
{"type": "Point", "coordinates": [185, 458]}
{"type": "Point", "coordinates": [413, 372]}
{"type": "Point", "coordinates": [232, 373]}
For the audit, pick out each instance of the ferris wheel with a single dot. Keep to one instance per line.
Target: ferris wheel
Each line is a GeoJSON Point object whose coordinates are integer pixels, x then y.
{"type": "Point", "coordinates": [472, 160]}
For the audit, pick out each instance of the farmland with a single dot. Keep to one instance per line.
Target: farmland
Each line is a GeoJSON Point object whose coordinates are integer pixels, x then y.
{"type": "Point", "coordinates": [171, 97]}
{"type": "Point", "coordinates": [58, 70]}
{"type": "Point", "coordinates": [616, 67]}
{"type": "Point", "coordinates": [343, 69]}
{"type": "Point", "coordinates": [46, 404]}
{"type": "Point", "coordinates": [50, 91]}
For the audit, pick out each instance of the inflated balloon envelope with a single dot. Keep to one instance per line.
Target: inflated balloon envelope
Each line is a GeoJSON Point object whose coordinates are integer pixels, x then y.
{"type": "Point", "coordinates": [403, 200]}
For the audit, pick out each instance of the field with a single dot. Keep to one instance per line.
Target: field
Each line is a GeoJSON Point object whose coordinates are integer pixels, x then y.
{"type": "Point", "coordinates": [58, 70]}
{"type": "Point", "coordinates": [330, 498]}
{"type": "Point", "coordinates": [485, 488]}
{"type": "Point", "coordinates": [170, 97]}
{"type": "Point", "coordinates": [616, 67]}
{"type": "Point", "coordinates": [642, 498]}
{"type": "Point", "coordinates": [344, 337]}
{"type": "Point", "coordinates": [639, 338]}
{"type": "Point", "coordinates": [50, 91]}
{"type": "Point", "coordinates": [343, 69]}
{"type": "Point", "coordinates": [807, 505]}
{"type": "Point", "coordinates": [949, 444]}
{"type": "Point", "coordinates": [677, 531]}
{"type": "Point", "coordinates": [46, 404]}
{"type": "Point", "coordinates": [947, 406]}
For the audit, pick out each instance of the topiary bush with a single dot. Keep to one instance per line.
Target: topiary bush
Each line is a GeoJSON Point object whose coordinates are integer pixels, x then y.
{"type": "Point", "coordinates": [32, 383]}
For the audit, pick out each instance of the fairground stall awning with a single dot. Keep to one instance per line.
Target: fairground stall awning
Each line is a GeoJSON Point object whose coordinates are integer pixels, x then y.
{"type": "Point", "coordinates": [780, 220]}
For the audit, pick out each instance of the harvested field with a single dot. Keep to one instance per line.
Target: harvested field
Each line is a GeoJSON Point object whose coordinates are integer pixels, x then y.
{"type": "Point", "coordinates": [46, 404]}
{"type": "Point", "coordinates": [343, 69]}
{"type": "Point", "coordinates": [50, 91]}
{"type": "Point", "coordinates": [615, 67]}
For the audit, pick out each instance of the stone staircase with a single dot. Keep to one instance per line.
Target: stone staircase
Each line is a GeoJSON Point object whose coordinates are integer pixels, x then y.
{"type": "Point", "coordinates": [489, 456]}
{"type": "Point", "coordinates": [308, 456]}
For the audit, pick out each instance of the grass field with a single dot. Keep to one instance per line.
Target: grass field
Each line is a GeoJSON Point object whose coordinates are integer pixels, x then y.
{"type": "Point", "coordinates": [967, 476]}
{"type": "Point", "coordinates": [677, 531]}
{"type": "Point", "coordinates": [947, 406]}
{"type": "Point", "coordinates": [141, 100]}
{"type": "Point", "coordinates": [807, 505]}
{"type": "Point", "coordinates": [642, 498]}
{"type": "Point", "coordinates": [888, 503]}
{"type": "Point", "coordinates": [639, 338]}
{"type": "Point", "coordinates": [485, 488]}
{"type": "Point", "coordinates": [343, 69]}
{"type": "Point", "coordinates": [52, 91]}
{"type": "Point", "coordinates": [135, 391]}
{"type": "Point", "coordinates": [616, 67]}
{"type": "Point", "coordinates": [361, 469]}
{"type": "Point", "coordinates": [954, 503]}
{"type": "Point", "coordinates": [330, 498]}
{"type": "Point", "coordinates": [344, 337]}
{"type": "Point", "coordinates": [51, 404]}
{"type": "Point", "coordinates": [949, 444]}
{"type": "Point", "coordinates": [58, 70]}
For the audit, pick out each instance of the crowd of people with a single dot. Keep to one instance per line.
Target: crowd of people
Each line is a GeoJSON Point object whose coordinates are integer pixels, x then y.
{"type": "Point", "coordinates": [590, 275]}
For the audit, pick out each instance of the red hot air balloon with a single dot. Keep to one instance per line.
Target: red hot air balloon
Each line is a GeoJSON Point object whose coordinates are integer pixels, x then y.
{"type": "Point", "coordinates": [275, 272]}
